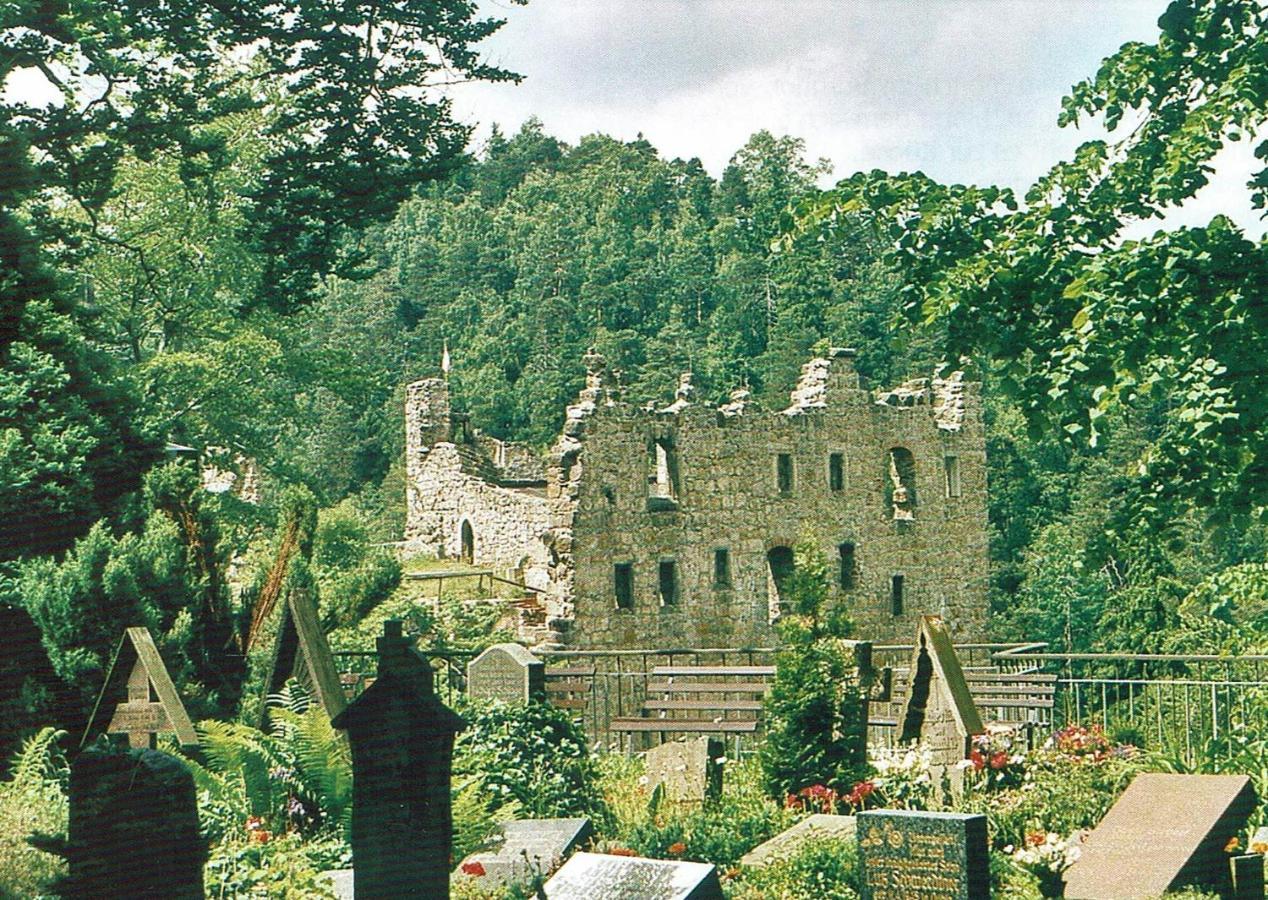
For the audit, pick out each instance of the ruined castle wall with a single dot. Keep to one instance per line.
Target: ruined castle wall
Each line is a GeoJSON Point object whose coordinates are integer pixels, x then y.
{"type": "Point", "coordinates": [728, 498]}
{"type": "Point", "coordinates": [507, 524]}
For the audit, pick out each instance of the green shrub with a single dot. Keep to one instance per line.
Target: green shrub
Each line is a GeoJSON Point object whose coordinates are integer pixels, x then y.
{"type": "Point", "coordinates": [815, 713]}
{"type": "Point", "coordinates": [533, 754]}
{"type": "Point", "coordinates": [718, 832]}
{"type": "Point", "coordinates": [32, 801]}
{"type": "Point", "coordinates": [353, 576]}
{"type": "Point", "coordinates": [822, 869]}
{"type": "Point", "coordinates": [280, 868]}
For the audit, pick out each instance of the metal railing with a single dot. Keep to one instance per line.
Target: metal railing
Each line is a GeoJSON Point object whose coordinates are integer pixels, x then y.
{"type": "Point", "coordinates": [1178, 704]}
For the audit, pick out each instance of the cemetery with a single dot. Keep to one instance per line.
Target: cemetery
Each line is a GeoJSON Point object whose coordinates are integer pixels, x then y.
{"type": "Point", "coordinates": [405, 496]}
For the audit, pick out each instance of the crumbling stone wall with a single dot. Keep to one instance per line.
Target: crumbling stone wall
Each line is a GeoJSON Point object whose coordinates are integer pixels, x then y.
{"type": "Point", "coordinates": [662, 490]}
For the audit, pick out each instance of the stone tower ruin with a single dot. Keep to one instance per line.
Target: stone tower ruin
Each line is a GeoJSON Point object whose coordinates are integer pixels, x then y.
{"type": "Point", "coordinates": [674, 526]}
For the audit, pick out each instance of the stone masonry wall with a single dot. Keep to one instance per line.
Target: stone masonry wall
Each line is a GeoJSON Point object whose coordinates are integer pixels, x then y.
{"type": "Point", "coordinates": [610, 499]}
{"type": "Point", "coordinates": [728, 498]}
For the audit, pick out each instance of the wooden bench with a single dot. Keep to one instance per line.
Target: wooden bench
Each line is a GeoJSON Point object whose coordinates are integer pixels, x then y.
{"type": "Point", "coordinates": [700, 700]}
{"type": "Point", "coordinates": [570, 687]}
{"type": "Point", "coordinates": [999, 691]}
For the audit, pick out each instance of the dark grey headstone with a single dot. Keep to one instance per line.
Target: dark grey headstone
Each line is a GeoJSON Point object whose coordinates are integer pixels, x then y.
{"type": "Point", "coordinates": [1248, 876]}
{"type": "Point", "coordinates": [506, 672]}
{"type": "Point", "coordinates": [1165, 832]}
{"type": "Point", "coordinates": [401, 737]}
{"type": "Point", "coordinates": [529, 847]}
{"type": "Point", "coordinates": [133, 825]}
{"type": "Point", "coordinates": [786, 844]}
{"type": "Point", "coordinates": [687, 771]}
{"type": "Point", "coordinates": [908, 855]}
{"type": "Point", "coordinates": [595, 876]}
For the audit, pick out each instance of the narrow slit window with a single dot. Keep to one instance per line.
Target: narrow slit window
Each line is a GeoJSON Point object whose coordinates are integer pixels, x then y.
{"type": "Point", "coordinates": [836, 472]}
{"type": "Point", "coordinates": [623, 579]}
{"type": "Point", "coordinates": [846, 553]}
{"type": "Point", "coordinates": [668, 579]}
{"type": "Point", "coordinates": [952, 468]}
{"type": "Point", "coordinates": [896, 594]}
{"type": "Point", "coordinates": [722, 568]}
{"type": "Point", "coordinates": [784, 472]}
{"type": "Point", "coordinates": [662, 473]}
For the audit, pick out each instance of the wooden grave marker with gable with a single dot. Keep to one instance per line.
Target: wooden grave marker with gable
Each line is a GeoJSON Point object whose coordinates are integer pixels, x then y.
{"type": "Point", "coordinates": [152, 707]}
{"type": "Point", "coordinates": [939, 712]}
{"type": "Point", "coordinates": [302, 652]}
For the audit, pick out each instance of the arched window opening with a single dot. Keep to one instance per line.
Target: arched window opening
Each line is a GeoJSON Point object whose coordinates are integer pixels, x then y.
{"type": "Point", "coordinates": [468, 543]}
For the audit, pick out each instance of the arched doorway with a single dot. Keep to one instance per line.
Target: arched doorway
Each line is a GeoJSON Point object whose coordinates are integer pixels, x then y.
{"type": "Point", "coordinates": [468, 543]}
{"type": "Point", "coordinates": [780, 566]}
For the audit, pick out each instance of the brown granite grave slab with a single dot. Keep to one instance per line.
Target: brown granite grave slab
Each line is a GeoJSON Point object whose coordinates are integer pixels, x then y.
{"type": "Point", "coordinates": [786, 844]}
{"type": "Point", "coordinates": [1165, 832]}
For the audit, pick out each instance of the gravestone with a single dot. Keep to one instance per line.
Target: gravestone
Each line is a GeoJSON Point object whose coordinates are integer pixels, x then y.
{"type": "Point", "coordinates": [132, 829]}
{"type": "Point", "coordinates": [303, 653]}
{"type": "Point", "coordinates": [153, 706]}
{"type": "Point", "coordinates": [908, 855]}
{"type": "Point", "coordinates": [340, 883]}
{"type": "Point", "coordinates": [1165, 832]}
{"type": "Point", "coordinates": [786, 844]}
{"type": "Point", "coordinates": [597, 876]}
{"type": "Point", "coordinates": [939, 712]}
{"type": "Point", "coordinates": [529, 847]}
{"type": "Point", "coordinates": [1248, 876]}
{"type": "Point", "coordinates": [402, 753]}
{"type": "Point", "coordinates": [506, 672]}
{"type": "Point", "coordinates": [687, 771]}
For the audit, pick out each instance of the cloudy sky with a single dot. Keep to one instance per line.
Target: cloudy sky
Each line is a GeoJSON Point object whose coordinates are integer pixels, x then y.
{"type": "Point", "coordinates": [965, 90]}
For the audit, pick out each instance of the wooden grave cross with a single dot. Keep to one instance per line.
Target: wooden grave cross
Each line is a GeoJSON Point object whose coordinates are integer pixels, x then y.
{"type": "Point", "coordinates": [153, 707]}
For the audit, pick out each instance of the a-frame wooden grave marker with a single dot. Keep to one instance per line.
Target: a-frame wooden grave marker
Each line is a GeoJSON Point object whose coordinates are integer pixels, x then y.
{"type": "Point", "coordinates": [302, 652]}
{"type": "Point", "coordinates": [939, 712]}
{"type": "Point", "coordinates": [153, 706]}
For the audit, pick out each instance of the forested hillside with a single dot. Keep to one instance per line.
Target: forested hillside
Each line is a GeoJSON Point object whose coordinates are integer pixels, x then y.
{"type": "Point", "coordinates": [226, 282]}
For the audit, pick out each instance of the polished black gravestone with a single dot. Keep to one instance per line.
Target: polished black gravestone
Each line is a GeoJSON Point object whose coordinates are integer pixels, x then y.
{"type": "Point", "coordinates": [526, 848]}
{"type": "Point", "coordinates": [402, 753]}
{"type": "Point", "coordinates": [596, 876]}
{"type": "Point", "coordinates": [133, 828]}
{"type": "Point", "coordinates": [908, 855]}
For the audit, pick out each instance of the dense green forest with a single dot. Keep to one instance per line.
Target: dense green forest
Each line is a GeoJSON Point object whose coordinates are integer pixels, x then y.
{"type": "Point", "coordinates": [223, 283]}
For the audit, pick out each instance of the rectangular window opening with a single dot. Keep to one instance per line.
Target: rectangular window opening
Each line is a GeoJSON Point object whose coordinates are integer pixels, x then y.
{"type": "Point", "coordinates": [784, 472]}
{"type": "Point", "coordinates": [952, 470]}
{"type": "Point", "coordinates": [623, 578]}
{"type": "Point", "coordinates": [836, 472]}
{"type": "Point", "coordinates": [896, 594]}
{"type": "Point", "coordinates": [668, 583]}
{"type": "Point", "coordinates": [722, 568]}
{"type": "Point", "coordinates": [846, 552]}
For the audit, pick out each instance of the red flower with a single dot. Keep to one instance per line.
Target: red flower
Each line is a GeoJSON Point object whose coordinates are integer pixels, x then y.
{"type": "Point", "coordinates": [860, 792]}
{"type": "Point", "coordinates": [254, 823]}
{"type": "Point", "coordinates": [473, 868]}
{"type": "Point", "coordinates": [678, 848]}
{"type": "Point", "coordinates": [979, 761]}
{"type": "Point", "coordinates": [261, 836]}
{"type": "Point", "coordinates": [621, 851]}
{"type": "Point", "coordinates": [1035, 838]}
{"type": "Point", "coordinates": [999, 760]}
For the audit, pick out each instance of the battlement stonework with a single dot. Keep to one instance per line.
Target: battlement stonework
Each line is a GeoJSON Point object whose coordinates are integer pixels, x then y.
{"type": "Point", "coordinates": [674, 525]}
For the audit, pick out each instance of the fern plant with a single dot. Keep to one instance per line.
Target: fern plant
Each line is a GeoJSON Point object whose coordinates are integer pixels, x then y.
{"type": "Point", "coordinates": [298, 777]}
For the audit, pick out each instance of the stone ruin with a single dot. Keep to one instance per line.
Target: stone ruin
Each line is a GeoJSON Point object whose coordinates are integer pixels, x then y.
{"type": "Point", "coordinates": [674, 525]}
